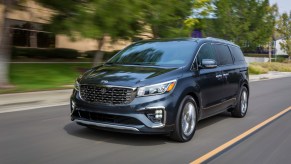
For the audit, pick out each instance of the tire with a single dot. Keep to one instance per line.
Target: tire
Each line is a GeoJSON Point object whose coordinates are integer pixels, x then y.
{"type": "Point", "coordinates": [186, 121]}
{"type": "Point", "coordinates": [241, 108]}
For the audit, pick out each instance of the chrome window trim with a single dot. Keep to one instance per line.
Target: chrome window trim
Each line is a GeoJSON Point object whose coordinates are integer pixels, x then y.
{"type": "Point", "coordinates": [191, 68]}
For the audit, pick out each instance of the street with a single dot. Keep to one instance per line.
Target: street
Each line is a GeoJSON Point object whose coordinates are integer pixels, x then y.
{"type": "Point", "coordinates": [47, 135]}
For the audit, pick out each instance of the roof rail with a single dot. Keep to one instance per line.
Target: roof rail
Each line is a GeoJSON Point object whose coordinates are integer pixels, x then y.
{"type": "Point", "coordinates": [222, 40]}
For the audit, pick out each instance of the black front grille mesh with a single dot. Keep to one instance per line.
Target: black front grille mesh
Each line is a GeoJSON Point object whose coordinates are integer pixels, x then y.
{"type": "Point", "coordinates": [105, 118]}
{"type": "Point", "coordinates": [106, 95]}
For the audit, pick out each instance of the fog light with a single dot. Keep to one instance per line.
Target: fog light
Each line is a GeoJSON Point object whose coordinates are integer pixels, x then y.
{"type": "Point", "coordinates": [158, 114]}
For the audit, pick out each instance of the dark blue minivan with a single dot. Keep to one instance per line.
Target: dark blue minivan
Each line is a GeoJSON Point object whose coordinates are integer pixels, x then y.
{"type": "Point", "coordinates": [163, 86]}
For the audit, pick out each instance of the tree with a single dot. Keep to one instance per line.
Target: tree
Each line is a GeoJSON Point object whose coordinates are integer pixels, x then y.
{"type": "Point", "coordinates": [202, 9]}
{"type": "Point", "coordinates": [96, 19]}
{"type": "Point", "coordinates": [119, 18]}
{"type": "Point", "coordinates": [284, 28]}
{"type": "Point", "coordinates": [166, 18]}
{"type": "Point", "coordinates": [249, 23]}
{"type": "Point", "coordinates": [5, 42]}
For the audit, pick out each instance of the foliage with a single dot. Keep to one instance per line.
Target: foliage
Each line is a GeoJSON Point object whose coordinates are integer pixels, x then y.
{"type": "Point", "coordinates": [121, 18]}
{"type": "Point", "coordinates": [95, 18]}
{"type": "Point", "coordinates": [284, 28]}
{"type": "Point", "coordinates": [249, 23]}
{"type": "Point", "coordinates": [202, 9]}
{"type": "Point", "coordinates": [259, 68]}
{"type": "Point", "coordinates": [166, 18]}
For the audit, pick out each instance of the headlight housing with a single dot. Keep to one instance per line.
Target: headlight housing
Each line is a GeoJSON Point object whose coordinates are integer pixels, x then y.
{"type": "Point", "coordinates": [77, 86]}
{"type": "Point", "coordinates": [156, 88]}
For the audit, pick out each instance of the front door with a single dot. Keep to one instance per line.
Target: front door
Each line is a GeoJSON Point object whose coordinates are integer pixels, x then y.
{"type": "Point", "coordinates": [210, 81]}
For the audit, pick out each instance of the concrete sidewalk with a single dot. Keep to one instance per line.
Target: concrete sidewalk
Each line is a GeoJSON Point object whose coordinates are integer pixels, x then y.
{"type": "Point", "coordinates": [34, 100]}
{"type": "Point", "coordinates": [269, 75]}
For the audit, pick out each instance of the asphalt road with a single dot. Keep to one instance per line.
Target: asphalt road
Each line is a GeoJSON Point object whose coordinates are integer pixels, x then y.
{"type": "Point", "coordinates": [48, 136]}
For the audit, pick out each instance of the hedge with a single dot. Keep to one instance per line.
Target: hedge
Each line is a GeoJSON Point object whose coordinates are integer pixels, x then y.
{"type": "Point", "coordinates": [42, 53]}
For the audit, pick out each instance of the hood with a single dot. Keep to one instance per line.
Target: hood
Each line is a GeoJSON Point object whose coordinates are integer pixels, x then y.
{"type": "Point", "coordinates": [130, 76]}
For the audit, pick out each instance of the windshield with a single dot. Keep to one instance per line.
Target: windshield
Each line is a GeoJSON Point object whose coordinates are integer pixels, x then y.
{"type": "Point", "coordinates": [164, 53]}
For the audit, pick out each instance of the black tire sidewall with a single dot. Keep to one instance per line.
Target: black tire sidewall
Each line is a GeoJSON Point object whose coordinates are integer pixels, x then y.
{"type": "Point", "coordinates": [178, 120]}
{"type": "Point", "coordinates": [237, 111]}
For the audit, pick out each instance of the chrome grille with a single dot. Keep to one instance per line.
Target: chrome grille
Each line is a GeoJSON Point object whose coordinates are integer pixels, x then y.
{"type": "Point", "coordinates": [106, 95]}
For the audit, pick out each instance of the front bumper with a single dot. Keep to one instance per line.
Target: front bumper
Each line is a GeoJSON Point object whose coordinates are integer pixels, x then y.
{"type": "Point", "coordinates": [135, 117]}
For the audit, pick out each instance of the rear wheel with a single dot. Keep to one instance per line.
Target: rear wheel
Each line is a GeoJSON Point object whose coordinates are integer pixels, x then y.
{"type": "Point", "coordinates": [242, 106]}
{"type": "Point", "coordinates": [186, 120]}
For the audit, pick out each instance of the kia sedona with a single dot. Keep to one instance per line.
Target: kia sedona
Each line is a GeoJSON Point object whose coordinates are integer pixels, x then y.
{"type": "Point", "coordinates": [163, 86]}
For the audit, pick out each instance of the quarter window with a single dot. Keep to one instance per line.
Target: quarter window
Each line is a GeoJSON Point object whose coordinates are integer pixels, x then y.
{"type": "Point", "coordinates": [237, 53]}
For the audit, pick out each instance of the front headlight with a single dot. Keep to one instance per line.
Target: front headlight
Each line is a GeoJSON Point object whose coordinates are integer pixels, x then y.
{"type": "Point", "coordinates": [77, 86]}
{"type": "Point", "coordinates": [156, 88]}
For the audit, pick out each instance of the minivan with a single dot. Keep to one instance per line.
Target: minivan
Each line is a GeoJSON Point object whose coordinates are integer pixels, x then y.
{"type": "Point", "coordinates": [163, 86]}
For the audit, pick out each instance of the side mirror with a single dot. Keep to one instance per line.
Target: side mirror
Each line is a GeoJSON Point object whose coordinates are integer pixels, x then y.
{"type": "Point", "coordinates": [208, 63]}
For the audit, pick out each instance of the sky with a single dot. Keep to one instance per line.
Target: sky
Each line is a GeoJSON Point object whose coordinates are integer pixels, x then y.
{"type": "Point", "coordinates": [283, 5]}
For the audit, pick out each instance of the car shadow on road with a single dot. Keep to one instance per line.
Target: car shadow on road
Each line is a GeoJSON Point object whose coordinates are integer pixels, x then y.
{"type": "Point", "coordinates": [213, 119]}
{"type": "Point", "coordinates": [132, 139]}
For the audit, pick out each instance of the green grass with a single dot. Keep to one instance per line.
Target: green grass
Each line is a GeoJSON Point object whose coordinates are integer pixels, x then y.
{"type": "Point", "coordinates": [260, 68]}
{"type": "Point", "coordinates": [35, 77]}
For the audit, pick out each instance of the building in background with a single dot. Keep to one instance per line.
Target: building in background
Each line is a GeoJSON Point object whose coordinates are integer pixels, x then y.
{"type": "Point", "coordinates": [279, 50]}
{"type": "Point", "coordinates": [27, 31]}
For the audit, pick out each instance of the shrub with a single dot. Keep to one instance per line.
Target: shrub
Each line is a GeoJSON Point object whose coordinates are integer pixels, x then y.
{"type": "Point", "coordinates": [63, 53]}
{"type": "Point", "coordinates": [257, 69]}
{"type": "Point", "coordinates": [257, 55]}
{"type": "Point", "coordinates": [45, 53]}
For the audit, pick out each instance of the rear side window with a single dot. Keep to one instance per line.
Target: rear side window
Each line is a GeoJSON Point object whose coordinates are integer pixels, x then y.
{"type": "Point", "coordinates": [205, 52]}
{"type": "Point", "coordinates": [223, 54]}
{"type": "Point", "coordinates": [237, 54]}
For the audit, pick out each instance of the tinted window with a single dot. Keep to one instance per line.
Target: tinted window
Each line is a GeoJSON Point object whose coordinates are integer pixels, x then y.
{"type": "Point", "coordinates": [237, 53]}
{"type": "Point", "coordinates": [223, 54]}
{"type": "Point", "coordinates": [163, 53]}
{"type": "Point", "coordinates": [205, 52]}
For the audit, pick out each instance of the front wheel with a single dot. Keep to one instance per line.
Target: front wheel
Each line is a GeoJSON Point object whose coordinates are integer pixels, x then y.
{"type": "Point", "coordinates": [186, 120]}
{"type": "Point", "coordinates": [242, 106]}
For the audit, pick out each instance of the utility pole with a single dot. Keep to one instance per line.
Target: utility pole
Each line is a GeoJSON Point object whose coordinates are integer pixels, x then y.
{"type": "Point", "coordinates": [270, 51]}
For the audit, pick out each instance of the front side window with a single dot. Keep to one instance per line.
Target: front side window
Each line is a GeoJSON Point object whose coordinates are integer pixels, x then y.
{"type": "Point", "coordinates": [163, 53]}
{"type": "Point", "coordinates": [223, 54]}
{"type": "Point", "coordinates": [205, 52]}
